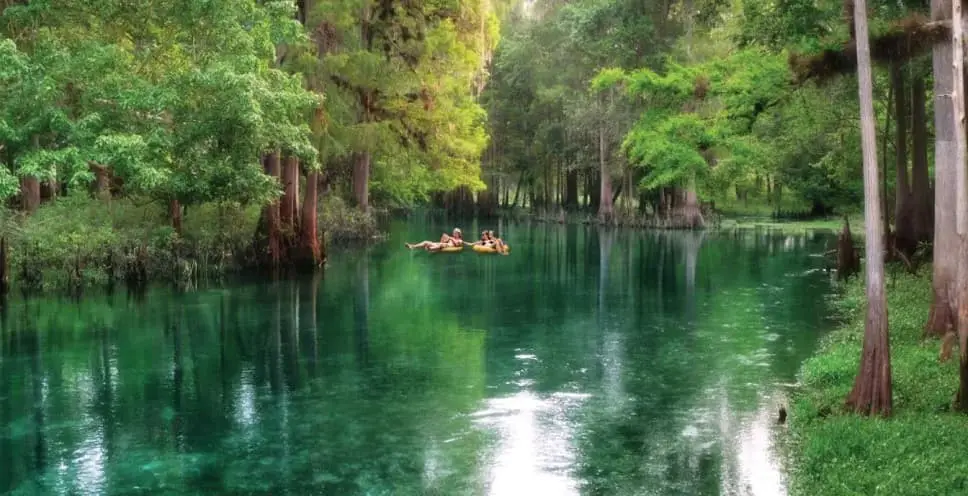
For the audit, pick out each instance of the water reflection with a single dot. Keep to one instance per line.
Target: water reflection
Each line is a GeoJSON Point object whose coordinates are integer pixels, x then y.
{"type": "Point", "coordinates": [588, 362]}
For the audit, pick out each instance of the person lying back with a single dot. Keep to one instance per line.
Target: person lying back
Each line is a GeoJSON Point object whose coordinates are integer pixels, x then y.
{"type": "Point", "coordinates": [454, 239]}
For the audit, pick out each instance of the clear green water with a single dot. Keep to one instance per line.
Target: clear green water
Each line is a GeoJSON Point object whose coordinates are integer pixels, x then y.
{"type": "Point", "coordinates": [616, 363]}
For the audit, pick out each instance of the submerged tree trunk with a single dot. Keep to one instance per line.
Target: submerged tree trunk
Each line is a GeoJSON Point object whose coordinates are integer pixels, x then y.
{"type": "Point", "coordinates": [691, 215]}
{"type": "Point", "coordinates": [871, 393]}
{"type": "Point", "coordinates": [605, 193]}
{"type": "Point", "coordinates": [945, 264]}
{"type": "Point", "coordinates": [961, 195]}
{"type": "Point", "coordinates": [904, 237]}
{"type": "Point", "coordinates": [922, 203]}
{"type": "Point", "coordinates": [361, 180]}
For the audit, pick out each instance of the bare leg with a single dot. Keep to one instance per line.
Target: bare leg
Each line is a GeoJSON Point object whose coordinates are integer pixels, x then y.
{"type": "Point", "coordinates": [422, 244]}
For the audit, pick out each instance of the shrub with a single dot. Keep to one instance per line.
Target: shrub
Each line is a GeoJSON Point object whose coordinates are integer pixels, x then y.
{"type": "Point", "coordinates": [343, 223]}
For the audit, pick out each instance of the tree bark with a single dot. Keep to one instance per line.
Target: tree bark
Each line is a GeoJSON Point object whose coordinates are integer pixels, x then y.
{"type": "Point", "coordinates": [871, 393]}
{"type": "Point", "coordinates": [605, 193]}
{"type": "Point", "coordinates": [268, 241]}
{"type": "Point", "coordinates": [290, 198]}
{"type": "Point", "coordinates": [922, 216]}
{"type": "Point", "coordinates": [691, 214]}
{"type": "Point", "coordinates": [571, 190]}
{"type": "Point", "coordinates": [102, 176]}
{"type": "Point", "coordinates": [961, 196]}
{"type": "Point", "coordinates": [29, 194]}
{"type": "Point", "coordinates": [309, 253]}
{"type": "Point", "coordinates": [175, 214]}
{"type": "Point", "coordinates": [4, 268]}
{"type": "Point", "coordinates": [361, 180]}
{"type": "Point", "coordinates": [945, 266]}
{"type": "Point", "coordinates": [904, 237]}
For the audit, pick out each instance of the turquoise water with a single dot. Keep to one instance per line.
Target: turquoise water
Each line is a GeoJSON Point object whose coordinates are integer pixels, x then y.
{"type": "Point", "coordinates": [586, 362]}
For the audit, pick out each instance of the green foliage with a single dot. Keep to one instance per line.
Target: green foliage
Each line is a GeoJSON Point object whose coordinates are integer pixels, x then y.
{"type": "Point", "coordinates": [76, 241]}
{"type": "Point", "coordinates": [171, 110]}
{"type": "Point", "coordinates": [341, 223]}
{"type": "Point", "coordinates": [918, 451]}
{"type": "Point", "coordinates": [405, 99]}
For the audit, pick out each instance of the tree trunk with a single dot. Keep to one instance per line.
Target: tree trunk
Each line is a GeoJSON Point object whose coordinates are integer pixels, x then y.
{"type": "Point", "coordinates": [691, 215]}
{"type": "Point", "coordinates": [268, 242]}
{"type": "Point", "coordinates": [945, 265]}
{"type": "Point", "coordinates": [288, 206]}
{"type": "Point", "coordinates": [308, 253]}
{"type": "Point", "coordinates": [361, 180]}
{"type": "Point", "coordinates": [605, 193]}
{"type": "Point", "coordinates": [848, 263]}
{"type": "Point", "coordinates": [102, 175]}
{"type": "Point", "coordinates": [29, 194]}
{"type": "Point", "coordinates": [922, 216]}
{"type": "Point", "coordinates": [904, 237]}
{"type": "Point", "coordinates": [4, 268]}
{"type": "Point", "coordinates": [886, 217]}
{"type": "Point", "coordinates": [871, 393]}
{"type": "Point", "coordinates": [961, 195]}
{"type": "Point", "coordinates": [175, 214]}
{"type": "Point", "coordinates": [571, 190]}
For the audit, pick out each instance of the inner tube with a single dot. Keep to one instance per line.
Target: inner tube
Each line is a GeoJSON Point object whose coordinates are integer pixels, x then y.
{"type": "Point", "coordinates": [449, 249]}
{"type": "Point", "coordinates": [489, 249]}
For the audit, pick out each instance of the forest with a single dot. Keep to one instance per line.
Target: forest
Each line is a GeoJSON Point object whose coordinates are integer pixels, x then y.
{"type": "Point", "coordinates": [194, 137]}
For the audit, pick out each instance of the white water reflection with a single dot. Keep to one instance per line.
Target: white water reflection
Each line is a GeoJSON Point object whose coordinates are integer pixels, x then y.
{"type": "Point", "coordinates": [759, 469]}
{"type": "Point", "coordinates": [534, 453]}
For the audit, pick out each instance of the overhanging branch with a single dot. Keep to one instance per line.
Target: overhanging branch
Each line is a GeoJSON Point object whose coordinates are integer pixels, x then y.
{"type": "Point", "coordinates": [909, 38]}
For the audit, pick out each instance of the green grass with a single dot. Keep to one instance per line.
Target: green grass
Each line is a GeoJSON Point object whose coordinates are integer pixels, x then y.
{"type": "Point", "coordinates": [920, 450]}
{"type": "Point", "coordinates": [834, 224]}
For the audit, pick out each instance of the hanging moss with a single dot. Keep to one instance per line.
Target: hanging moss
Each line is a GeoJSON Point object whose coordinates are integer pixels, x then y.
{"type": "Point", "coordinates": [907, 38]}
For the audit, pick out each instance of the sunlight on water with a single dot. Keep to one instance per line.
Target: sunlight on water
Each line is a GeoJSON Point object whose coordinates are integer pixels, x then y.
{"type": "Point", "coordinates": [534, 453]}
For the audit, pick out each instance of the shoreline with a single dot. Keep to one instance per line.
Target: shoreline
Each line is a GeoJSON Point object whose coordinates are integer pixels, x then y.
{"type": "Point", "coordinates": [919, 450]}
{"type": "Point", "coordinates": [717, 221]}
{"type": "Point", "coordinates": [54, 252]}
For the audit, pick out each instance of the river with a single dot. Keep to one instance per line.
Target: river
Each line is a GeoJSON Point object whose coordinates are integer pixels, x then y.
{"type": "Point", "coordinates": [586, 362]}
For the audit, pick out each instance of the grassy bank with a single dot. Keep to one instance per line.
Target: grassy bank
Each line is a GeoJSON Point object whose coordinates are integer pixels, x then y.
{"type": "Point", "coordinates": [921, 450]}
{"type": "Point", "coordinates": [833, 224]}
{"type": "Point", "coordinates": [75, 241]}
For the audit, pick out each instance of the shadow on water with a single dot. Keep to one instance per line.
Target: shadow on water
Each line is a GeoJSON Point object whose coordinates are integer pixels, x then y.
{"type": "Point", "coordinates": [588, 362]}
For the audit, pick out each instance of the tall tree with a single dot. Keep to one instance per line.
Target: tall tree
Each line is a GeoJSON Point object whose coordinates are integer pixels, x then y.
{"type": "Point", "coordinates": [945, 266]}
{"type": "Point", "coordinates": [903, 225]}
{"type": "Point", "coordinates": [922, 215]}
{"type": "Point", "coordinates": [961, 154]}
{"type": "Point", "coordinates": [871, 393]}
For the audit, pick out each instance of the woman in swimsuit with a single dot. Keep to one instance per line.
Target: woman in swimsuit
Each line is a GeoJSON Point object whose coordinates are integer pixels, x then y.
{"type": "Point", "coordinates": [454, 239]}
{"type": "Point", "coordinates": [485, 240]}
{"type": "Point", "coordinates": [498, 243]}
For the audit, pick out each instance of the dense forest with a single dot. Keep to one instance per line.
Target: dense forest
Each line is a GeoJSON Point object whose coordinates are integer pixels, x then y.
{"type": "Point", "coordinates": [181, 137]}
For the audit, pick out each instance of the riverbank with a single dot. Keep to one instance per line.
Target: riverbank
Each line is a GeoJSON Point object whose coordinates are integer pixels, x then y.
{"type": "Point", "coordinates": [75, 241]}
{"type": "Point", "coordinates": [920, 450]}
{"type": "Point", "coordinates": [714, 220]}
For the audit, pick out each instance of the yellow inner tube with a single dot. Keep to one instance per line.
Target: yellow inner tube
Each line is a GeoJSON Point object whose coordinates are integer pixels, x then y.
{"type": "Point", "coordinates": [489, 249]}
{"type": "Point", "coordinates": [450, 249]}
